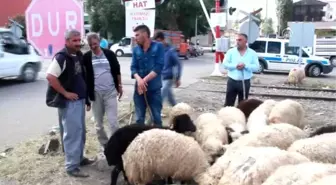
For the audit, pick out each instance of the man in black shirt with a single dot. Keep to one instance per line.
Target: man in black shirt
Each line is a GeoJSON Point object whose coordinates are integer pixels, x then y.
{"type": "Point", "coordinates": [68, 92]}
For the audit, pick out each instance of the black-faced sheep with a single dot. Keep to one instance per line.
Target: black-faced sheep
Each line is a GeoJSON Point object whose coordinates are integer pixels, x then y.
{"type": "Point", "coordinates": [248, 106]}
{"type": "Point", "coordinates": [120, 140]}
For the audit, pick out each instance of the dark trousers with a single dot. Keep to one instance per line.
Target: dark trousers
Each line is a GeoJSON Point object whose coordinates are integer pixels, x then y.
{"type": "Point", "coordinates": [154, 99]}
{"type": "Point", "coordinates": [234, 88]}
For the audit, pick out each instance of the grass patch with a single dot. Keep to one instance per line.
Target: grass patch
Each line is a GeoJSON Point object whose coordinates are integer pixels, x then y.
{"type": "Point", "coordinates": [24, 165]}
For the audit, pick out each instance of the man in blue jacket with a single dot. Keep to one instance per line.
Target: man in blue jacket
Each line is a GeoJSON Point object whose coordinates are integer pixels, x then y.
{"type": "Point", "coordinates": [171, 72]}
{"type": "Point", "coordinates": [147, 64]}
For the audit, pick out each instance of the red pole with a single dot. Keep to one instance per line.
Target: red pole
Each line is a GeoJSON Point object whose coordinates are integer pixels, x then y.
{"type": "Point", "coordinates": [217, 54]}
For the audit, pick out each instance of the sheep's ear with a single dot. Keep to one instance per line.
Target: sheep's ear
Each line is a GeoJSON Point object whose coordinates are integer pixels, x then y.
{"type": "Point", "coordinates": [229, 129]}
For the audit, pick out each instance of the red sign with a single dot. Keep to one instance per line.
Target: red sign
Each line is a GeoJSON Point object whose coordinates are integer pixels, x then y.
{"type": "Point", "coordinates": [48, 20]}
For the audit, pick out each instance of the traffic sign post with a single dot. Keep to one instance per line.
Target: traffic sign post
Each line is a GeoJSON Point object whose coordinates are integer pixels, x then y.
{"type": "Point", "coordinates": [48, 20]}
{"type": "Point", "coordinates": [250, 28]}
{"type": "Point", "coordinates": [139, 12]}
{"type": "Point", "coordinates": [301, 35]}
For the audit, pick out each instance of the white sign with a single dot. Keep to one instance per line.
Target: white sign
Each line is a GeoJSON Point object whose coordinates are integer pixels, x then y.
{"type": "Point", "coordinates": [137, 17]}
{"type": "Point", "coordinates": [218, 19]}
{"type": "Point", "coordinates": [301, 34]}
{"type": "Point", "coordinates": [251, 29]}
{"type": "Point", "coordinates": [139, 4]}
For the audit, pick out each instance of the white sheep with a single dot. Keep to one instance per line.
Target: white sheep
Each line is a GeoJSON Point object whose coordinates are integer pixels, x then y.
{"type": "Point", "coordinates": [253, 165]}
{"type": "Point", "coordinates": [280, 135]}
{"type": "Point", "coordinates": [259, 116]}
{"type": "Point", "coordinates": [287, 111]}
{"type": "Point", "coordinates": [321, 148]}
{"type": "Point", "coordinates": [179, 109]}
{"type": "Point", "coordinates": [211, 134]}
{"type": "Point", "coordinates": [164, 153]}
{"type": "Point", "coordinates": [300, 174]}
{"type": "Point", "coordinates": [234, 119]}
{"type": "Point", "coordinates": [296, 76]}
{"type": "Point", "coordinates": [325, 180]}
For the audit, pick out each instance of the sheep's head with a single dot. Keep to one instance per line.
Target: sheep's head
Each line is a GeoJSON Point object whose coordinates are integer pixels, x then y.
{"type": "Point", "coordinates": [213, 147]}
{"type": "Point", "coordinates": [183, 123]}
{"type": "Point", "coordinates": [234, 134]}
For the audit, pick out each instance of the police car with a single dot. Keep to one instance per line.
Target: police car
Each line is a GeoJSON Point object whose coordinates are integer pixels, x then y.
{"type": "Point", "coordinates": [277, 55]}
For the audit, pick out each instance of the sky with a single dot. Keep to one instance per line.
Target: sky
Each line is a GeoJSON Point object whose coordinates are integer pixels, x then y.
{"type": "Point", "coordinates": [251, 5]}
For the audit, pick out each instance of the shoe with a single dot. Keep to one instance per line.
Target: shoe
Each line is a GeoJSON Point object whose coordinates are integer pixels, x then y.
{"type": "Point", "coordinates": [77, 173]}
{"type": "Point", "coordinates": [86, 162]}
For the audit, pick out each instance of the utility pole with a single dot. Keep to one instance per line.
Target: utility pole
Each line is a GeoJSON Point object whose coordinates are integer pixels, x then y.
{"type": "Point", "coordinates": [196, 27]}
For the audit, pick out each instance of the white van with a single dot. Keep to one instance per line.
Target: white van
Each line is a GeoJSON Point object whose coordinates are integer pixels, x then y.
{"type": "Point", "coordinates": [124, 46]}
{"type": "Point", "coordinates": [21, 63]}
{"type": "Point", "coordinates": [277, 55]}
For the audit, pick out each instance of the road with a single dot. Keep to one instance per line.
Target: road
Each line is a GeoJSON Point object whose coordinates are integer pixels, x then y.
{"type": "Point", "coordinates": [24, 114]}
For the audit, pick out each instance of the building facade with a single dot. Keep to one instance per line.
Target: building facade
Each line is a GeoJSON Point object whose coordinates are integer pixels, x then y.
{"type": "Point", "coordinates": [308, 10]}
{"type": "Point", "coordinates": [11, 8]}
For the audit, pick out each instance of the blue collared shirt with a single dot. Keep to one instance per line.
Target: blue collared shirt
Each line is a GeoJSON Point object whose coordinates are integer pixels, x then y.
{"type": "Point", "coordinates": [145, 62]}
{"type": "Point", "coordinates": [233, 58]}
{"type": "Point", "coordinates": [171, 61]}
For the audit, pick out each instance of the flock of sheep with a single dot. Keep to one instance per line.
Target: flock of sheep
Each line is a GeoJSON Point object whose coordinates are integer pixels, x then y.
{"type": "Point", "coordinates": [256, 143]}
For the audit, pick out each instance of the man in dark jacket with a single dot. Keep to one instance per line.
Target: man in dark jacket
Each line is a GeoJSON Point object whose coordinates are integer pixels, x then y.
{"type": "Point", "coordinates": [104, 84]}
{"type": "Point", "coordinates": [172, 69]}
{"type": "Point", "coordinates": [67, 91]}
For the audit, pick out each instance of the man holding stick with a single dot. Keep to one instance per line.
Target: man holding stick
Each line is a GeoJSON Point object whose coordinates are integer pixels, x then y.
{"type": "Point", "coordinates": [241, 62]}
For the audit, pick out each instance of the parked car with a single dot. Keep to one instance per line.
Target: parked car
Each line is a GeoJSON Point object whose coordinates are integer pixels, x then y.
{"type": "Point", "coordinates": [277, 55]}
{"type": "Point", "coordinates": [19, 60]}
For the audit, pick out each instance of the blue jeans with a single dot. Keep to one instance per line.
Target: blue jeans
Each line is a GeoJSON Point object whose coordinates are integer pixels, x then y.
{"type": "Point", "coordinates": [167, 91]}
{"type": "Point", "coordinates": [72, 128]}
{"type": "Point", "coordinates": [155, 104]}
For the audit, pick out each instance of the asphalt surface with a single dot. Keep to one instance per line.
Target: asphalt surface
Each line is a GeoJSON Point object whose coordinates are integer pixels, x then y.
{"type": "Point", "coordinates": [24, 114]}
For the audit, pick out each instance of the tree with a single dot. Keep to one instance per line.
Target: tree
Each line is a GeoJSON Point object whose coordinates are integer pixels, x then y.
{"type": "Point", "coordinates": [109, 16]}
{"type": "Point", "coordinates": [258, 15]}
{"type": "Point", "coordinates": [267, 26]}
{"type": "Point", "coordinates": [284, 13]}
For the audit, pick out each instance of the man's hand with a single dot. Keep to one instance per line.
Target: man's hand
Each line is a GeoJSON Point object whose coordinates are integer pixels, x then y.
{"type": "Point", "coordinates": [71, 96]}
{"type": "Point", "coordinates": [88, 108]}
{"type": "Point", "coordinates": [142, 86]}
{"type": "Point", "coordinates": [178, 83]}
{"type": "Point", "coordinates": [240, 66]}
{"type": "Point", "coordinates": [120, 92]}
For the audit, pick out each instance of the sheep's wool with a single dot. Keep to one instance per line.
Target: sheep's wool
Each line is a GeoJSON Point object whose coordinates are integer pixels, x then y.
{"type": "Point", "coordinates": [232, 115]}
{"type": "Point", "coordinates": [287, 111]}
{"type": "Point", "coordinates": [296, 75]}
{"type": "Point", "coordinates": [252, 165]}
{"type": "Point", "coordinates": [325, 180]}
{"type": "Point", "coordinates": [280, 135]}
{"type": "Point", "coordinates": [210, 134]}
{"type": "Point", "coordinates": [321, 148]}
{"type": "Point", "coordinates": [164, 153]}
{"type": "Point", "coordinates": [179, 109]}
{"type": "Point", "coordinates": [300, 174]}
{"type": "Point", "coordinates": [259, 117]}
